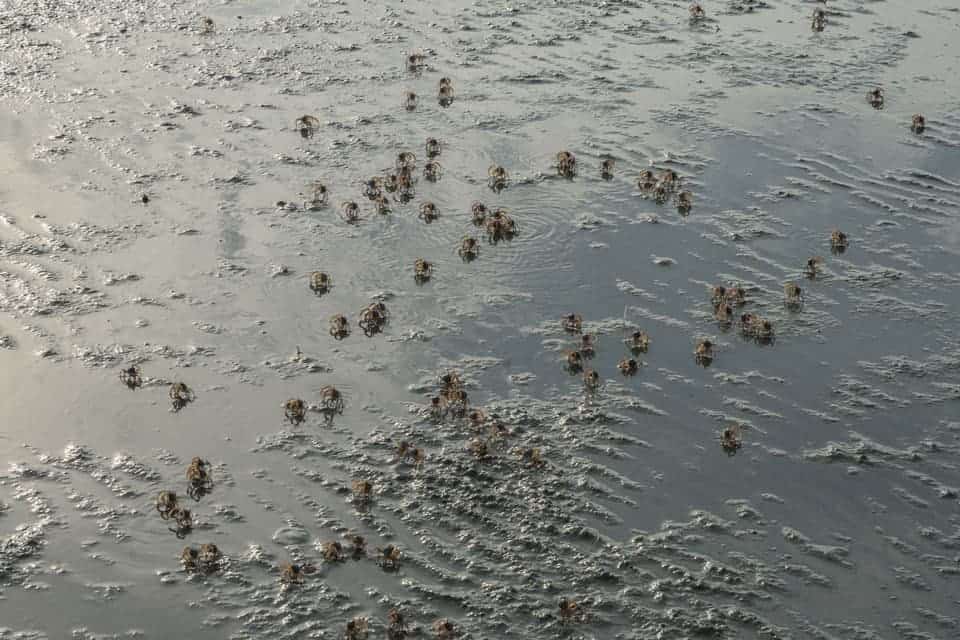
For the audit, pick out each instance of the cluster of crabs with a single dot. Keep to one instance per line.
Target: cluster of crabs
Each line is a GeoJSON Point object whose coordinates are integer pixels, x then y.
{"type": "Point", "coordinates": [637, 342]}
{"type": "Point", "coordinates": [199, 484]}
{"type": "Point", "coordinates": [373, 318]}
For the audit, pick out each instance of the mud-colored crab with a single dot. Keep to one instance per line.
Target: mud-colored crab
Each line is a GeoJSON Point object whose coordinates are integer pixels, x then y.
{"type": "Point", "coordinates": [572, 323]}
{"type": "Point", "coordinates": [792, 295]}
{"type": "Point", "coordinates": [478, 213]}
{"type": "Point", "coordinates": [422, 270]}
{"type": "Point", "coordinates": [646, 181]}
{"type": "Point", "coordinates": [819, 20]}
{"type": "Point", "coordinates": [432, 171]}
{"type": "Point", "coordinates": [478, 448]}
{"type": "Point", "coordinates": [396, 625]}
{"type": "Point", "coordinates": [373, 188]}
{"type": "Point", "coordinates": [569, 611]}
{"type": "Point", "coordinates": [350, 212]}
{"type": "Point", "coordinates": [409, 100]}
{"type": "Point", "coordinates": [373, 318]}
{"type": "Point", "coordinates": [166, 502]}
{"type": "Point", "coordinates": [206, 560]}
{"type": "Point", "coordinates": [406, 161]}
{"type": "Point", "coordinates": [638, 342]}
{"type": "Point", "coordinates": [293, 574]}
{"type": "Point", "coordinates": [838, 241]}
{"type": "Point", "coordinates": [199, 478]}
{"type": "Point", "coordinates": [183, 520]}
{"type": "Point", "coordinates": [317, 194]}
{"type": "Point", "coordinates": [358, 546]}
{"type": "Point", "coordinates": [731, 439]}
{"type": "Point", "coordinates": [566, 164]}
{"type": "Point", "coordinates": [410, 454]}
{"type": "Point", "coordinates": [207, 26]}
{"type": "Point", "coordinates": [381, 205]}
{"type": "Point", "coordinates": [812, 267]}
{"type": "Point", "coordinates": [498, 178]}
{"type": "Point", "coordinates": [388, 557]}
{"type": "Point", "coordinates": [295, 410]}
{"type": "Point", "coordinates": [469, 249]}
{"type": "Point", "coordinates": [443, 629]}
{"type": "Point", "coordinates": [415, 61]}
{"type": "Point", "coordinates": [696, 12]}
{"type": "Point", "coordinates": [532, 457]}
{"type": "Point", "coordinates": [875, 98]}
{"type": "Point", "coordinates": [723, 313]}
{"type": "Point", "coordinates": [918, 124]}
{"type": "Point", "coordinates": [607, 166]}
{"type": "Point", "coordinates": [332, 551]}
{"type": "Point", "coordinates": [591, 380]}
{"type": "Point", "coordinates": [428, 212]}
{"type": "Point", "coordinates": [445, 93]}
{"type": "Point", "coordinates": [588, 345]}
{"type": "Point", "coordinates": [703, 353]}
{"type": "Point", "coordinates": [684, 202]}
{"type": "Point", "coordinates": [357, 629]}
{"type": "Point", "coordinates": [362, 492]}
{"type": "Point", "coordinates": [573, 362]}
{"type": "Point", "coordinates": [307, 125]}
{"type": "Point", "coordinates": [180, 395]}
{"type": "Point", "coordinates": [320, 282]}
{"type": "Point", "coordinates": [331, 400]}
{"type": "Point", "coordinates": [432, 147]}
{"type": "Point", "coordinates": [500, 226]}
{"type": "Point", "coordinates": [628, 366]}
{"type": "Point", "coordinates": [131, 378]}
{"type": "Point", "coordinates": [339, 326]}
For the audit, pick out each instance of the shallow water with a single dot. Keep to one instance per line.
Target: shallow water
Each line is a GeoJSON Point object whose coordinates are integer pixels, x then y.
{"type": "Point", "coordinates": [838, 518]}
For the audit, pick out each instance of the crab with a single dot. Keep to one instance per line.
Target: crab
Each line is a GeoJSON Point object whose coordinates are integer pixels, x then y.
{"type": "Point", "coordinates": [189, 558]}
{"type": "Point", "coordinates": [362, 492]}
{"type": "Point", "coordinates": [646, 181]}
{"type": "Point", "coordinates": [697, 12]}
{"type": "Point", "coordinates": [569, 610]}
{"type": "Point", "coordinates": [437, 408]}
{"type": "Point", "coordinates": [406, 161]}
{"type": "Point", "coordinates": [166, 502]}
{"type": "Point", "coordinates": [591, 380]}
{"type": "Point", "coordinates": [318, 196]}
{"type": "Point", "coordinates": [763, 331]}
{"type": "Point", "coordinates": [684, 202]}
{"type": "Point", "coordinates": [532, 457]}
{"type": "Point", "coordinates": [358, 546]}
{"type": "Point", "coordinates": [498, 178]}
{"type": "Point", "coordinates": [180, 395]}
{"type": "Point", "coordinates": [406, 452]}
{"type": "Point", "coordinates": [295, 410]}
{"type": "Point", "coordinates": [210, 557]}
{"type": "Point", "coordinates": [331, 400]}
{"type": "Point", "coordinates": [443, 629]}
{"type": "Point", "coordinates": [477, 418]}
{"type": "Point", "coordinates": [875, 98]}
{"type": "Point", "coordinates": [730, 439]}
{"type": "Point", "coordinates": [373, 318]}
{"type": "Point", "coordinates": [661, 192]}
{"type": "Point", "coordinates": [350, 211]}
{"type": "Point", "coordinates": [409, 101]}
{"type": "Point", "coordinates": [206, 25]}
{"type": "Point", "coordinates": [422, 270]}
{"type": "Point", "coordinates": [566, 164]}
{"type": "Point", "coordinates": [669, 178]}
{"type": "Point", "coordinates": [332, 551]}
{"type": "Point", "coordinates": [500, 226]}
{"type": "Point", "coordinates": [638, 342]}
{"type": "Point", "coordinates": [415, 61]}
{"type": "Point", "coordinates": [606, 168]}
{"type": "Point", "coordinates": [588, 343]}
{"type": "Point", "coordinates": [819, 20]}
{"type": "Point", "coordinates": [469, 248]}
{"type": "Point", "coordinates": [456, 402]}
{"type": "Point", "coordinates": [293, 574]}
{"type": "Point", "coordinates": [356, 629]}
{"type": "Point", "coordinates": [131, 378]}
{"type": "Point", "coordinates": [572, 323]}
{"type": "Point", "coordinates": [918, 124]}
{"type": "Point", "coordinates": [718, 294]}
{"type": "Point", "coordinates": [307, 125]}
{"type": "Point", "coordinates": [373, 188]}
{"type": "Point", "coordinates": [339, 327]}
{"type": "Point", "coordinates": [703, 353]}
{"type": "Point", "coordinates": [838, 241]}
{"type": "Point", "coordinates": [478, 213]}
{"type": "Point", "coordinates": [628, 366]}
{"type": "Point", "coordinates": [396, 625]}
{"type": "Point", "coordinates": [478, 448]}
{"type": "Point", "coordinates": [735, 296]}
{"type": "Point", "coordinates": [573, 362]}
{"type": "Point", "coordinates": [432, 147]}
{"type": "Point", "coordinates": [748, 323]}
{"type": "Point", "coordinates": [388, 557]}
{"type": "Point", "coordinates": [723, 313]}
{"type": "Point", "coordinates": [792, 295]}
{"type": "Point", "coordinates": [432, 171]}
{"type": "Point", "coordinates": [199, 478]}
{"type": "Point", "coordinates": [428, 212]}
{"type": "Point", "coordinates": [183, 520]}
{"type": "Point", "coordinates": [381, 205]}
{"type": "Point", "coordinates": [405, 186]}
{"type": "Point", "coordinates": [445, 93]}
{"type": "Point", "coordinates": [319, 282]}
{"type": "Point", "coordinates": [812, 268]}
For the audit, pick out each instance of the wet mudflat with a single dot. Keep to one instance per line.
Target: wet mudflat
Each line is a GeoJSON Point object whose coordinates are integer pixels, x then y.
{"type": "Point", "coordinates": [837, 517]}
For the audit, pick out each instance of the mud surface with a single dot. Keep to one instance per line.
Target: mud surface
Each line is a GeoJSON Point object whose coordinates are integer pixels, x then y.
{"type": "Point", "coordinates": [155, 212]}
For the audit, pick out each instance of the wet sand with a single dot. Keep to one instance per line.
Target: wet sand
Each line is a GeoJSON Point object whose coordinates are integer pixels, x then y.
{"type": "Point", "coordinates": [838, 517]}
